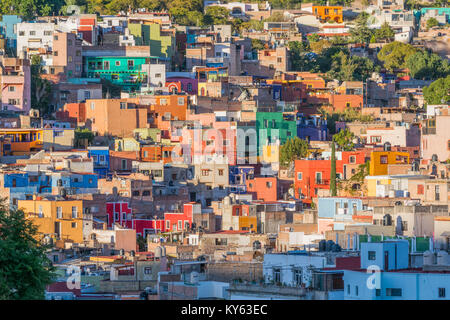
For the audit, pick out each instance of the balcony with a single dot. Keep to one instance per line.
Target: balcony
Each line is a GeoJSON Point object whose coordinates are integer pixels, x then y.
{"type": "Point", "coordinates": [426, 130]}
{"type": "Point", "coordinates": [267, 289]}
{"type": "Point", "coordinates": [323, 182]}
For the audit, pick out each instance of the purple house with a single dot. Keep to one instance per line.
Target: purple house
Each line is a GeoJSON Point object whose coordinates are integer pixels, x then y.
{"type": "Point", "coordinates": [189, 83]}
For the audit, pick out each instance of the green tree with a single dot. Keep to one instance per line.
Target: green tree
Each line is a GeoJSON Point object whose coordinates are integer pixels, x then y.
{"type": "Point", "coordinates": [395, 54]}
{"type": "Point", "coordinates": [427, 66]}
{"type": "Point", "coordinates": [438, 92]}
{"type": "Point", "coordinates": [333, 190]}
{"type": "Point", "coordinates": [384, 33]}
{"type": "Point", "coordinates": [320, 46]}
{"type": "Point", "coordinates": [83, 137]}
{"type": "Point", "coordinates": [141, 243]}
{"type": "Point", "coordinates": [41, 89]}
{"type": "Point", "coordinates": [314, 37]}
{"type": "Point", "coordinates": [346, 68]}
{"type": "Point", "coordinates": [361, 32]}
{"type": "Point", "coordinates": [25, 270]}
{"type": "Point", "coordinates": [432, 22]}
{"type": "Point", "coordinates": [257, 44]}
{"type": "Point", "coordinates": [297, 52]}
{"type": "Point", "coordinates": [344, 139]}
{"type": "Point", "coordinates": [217, 15]}
{"type": "Point", "coordinates": [293, 149]}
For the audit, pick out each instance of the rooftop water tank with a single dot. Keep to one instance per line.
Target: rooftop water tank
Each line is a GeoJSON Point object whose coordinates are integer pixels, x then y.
{"type": "Point", "coordinates": [428, 258]}
{"type": "Point", "coordinates": [442, 258]}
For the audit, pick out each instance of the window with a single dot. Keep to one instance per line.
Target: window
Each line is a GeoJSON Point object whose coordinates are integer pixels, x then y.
{"type": "Point", "coordinates": [205, 172]}
{"type": "Point", "coordinates": [371, 255]}
{"type": "Point", "coordinates": [74, 224]}
{"type": "Point", "coordinates": [32, 33]}
{"type": "Point", "coordinates": [136, 193]}
{"type": "Point", "coordinates": [405, 225]}
{"type": "Point", "coordinates": [279, 59]}
{"type": "Point", "coordinates": [220, 172]}
{"type": "Point", "coordinates": [106, 65]}
{"type": "Point", "coordinates": [299, 176]}
{"type": "Point", "coordinates": [393, 292]}
{"type": "Point", "coordinates": [383, 159]}
{"type": "Point", "coordinates": [277, 275]}
{"type": "Point", "coordinates": [356, 290]}
{"type": "Point", "coordinates": [297, 276]}
{"type": "Point", "coordinates": [163, 102]}
{"type": "Point", "coordinates": [375, 139]}
{"type": "Point", "coordinates": [348, 289]}
{"type": "Point", "coordinates": [117, 63]}
{"type": "Point", "coordinates": [180, 225]}
{"type": "Point", "coordinates": [40, 212]}
{"type": "Point", "coordinates": [92, 105]}
{"type": "Point", "coordinates": [21, 33]}
{"type": "Point", "coordinates": [69, 58]}
{"type": "Point", "coordinates": [189, 87]}
{"type": "Point", "coordinates": [180, 101]}
{"type": "Point", "coordinates": [147, 270]}
{"type": "Point", "coordinates": [146, 193]}
{"type": "Point", "coordinates": [268, 184]}
{"type": "Point", "coordinates": [123, 105]}
{"type": "Point", "coordinates": [87, 95]}
{"type": "Point", "coordinates": [74, 212]}
{"type": "Point", "coordinates": [130, 63]}
{"type": "Point", "coordinates": [55, 53]}
{"type": "Point", "coordinates": [167, 224]}
{"type": "Point", "coordinates": [378, 292]}
{"type": "Point", "coordinates": [11, 88]}
{"type": "Point", "coordinates": [352, 159]}
{"type": "Point", "coordinates": [441, 292]}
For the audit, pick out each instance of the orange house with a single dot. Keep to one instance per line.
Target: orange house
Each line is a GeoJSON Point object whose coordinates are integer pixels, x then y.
{"type": "Point", "coordinates": [264, 188]}
{"type": "Point", "coordinates": [157, 153]}
{"type": "Point", "coordinates": [166, 108]}
{"type": "Point", "coordinates": [326, 13]}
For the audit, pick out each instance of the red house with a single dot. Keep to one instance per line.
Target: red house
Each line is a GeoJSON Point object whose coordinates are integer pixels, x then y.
{"type": "Point", "coordinates": [312, 175]}
{"type": "Point", "coordinates": [118, 212]}
{"type": "Point", "coordinates": [178, 221]}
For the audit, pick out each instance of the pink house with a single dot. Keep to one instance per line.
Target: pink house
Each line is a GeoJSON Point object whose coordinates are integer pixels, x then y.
{"type": "Point", "coordinates": [435, 137]}
{"type": "Point", "coordinates": [15, 84]}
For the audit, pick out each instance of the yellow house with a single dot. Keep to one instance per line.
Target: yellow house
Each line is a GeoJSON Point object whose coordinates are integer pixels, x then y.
{"type": "Point", "coordinates": [378, 185]}
{"type": "Point", "coordinates": [380, 160]}
{"type": "Point", "coordinates": [271, 153]}
{"type": "Point", "coordinates": [248, 223]}
{"type": "Point", "coordinates": [18, 142]}
{"type": "Point", "coordinates": [60, 219]}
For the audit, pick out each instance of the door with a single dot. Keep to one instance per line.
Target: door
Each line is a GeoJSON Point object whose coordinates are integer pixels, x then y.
{"type": "Point", "coordinates": [386, 260]}
{"type": "Point", "coordinates": [58, 230]}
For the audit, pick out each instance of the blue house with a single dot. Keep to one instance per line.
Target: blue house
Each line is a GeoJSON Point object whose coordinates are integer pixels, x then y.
{"type": "Point", "coordinates": [7, 30]}
{"type": "Point", "coordinates": [238, 176]}
{"type": "Point", "coordinates": [23, 185]}
{"type": "Point", "coordinates": [312, 128]}
{"type": "Point", "coordinates": [338, 207]}
{"type": "Point", "coordinates": [100, 156]}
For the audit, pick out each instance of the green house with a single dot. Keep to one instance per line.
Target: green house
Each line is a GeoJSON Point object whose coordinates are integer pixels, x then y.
{"type": "Point", "coordinates": [271, 126]}
{"type": "Point", "coordinates": [126, 72]}
{"type": "Point", "coordinates": [161, 42]}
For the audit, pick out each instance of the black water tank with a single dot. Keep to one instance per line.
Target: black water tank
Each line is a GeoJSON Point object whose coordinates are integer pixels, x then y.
{"type": "Point", "coordinates": [322, 245]}
{"type": "Point", "coordinates": [330, 244]}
